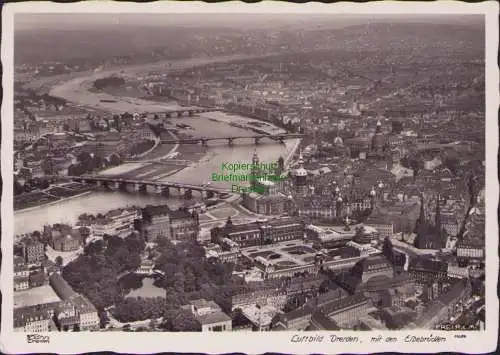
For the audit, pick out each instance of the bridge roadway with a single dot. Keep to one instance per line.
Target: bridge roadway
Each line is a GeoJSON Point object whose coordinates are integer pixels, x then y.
{"type": "Point", "coordinates": [180, 112]}
{"type": "Point", "coordinates": [161, 162]}
{"type": "Point", "coordinates": [138, 184]}
{"type": "Point", "coordinates": [257, 138]}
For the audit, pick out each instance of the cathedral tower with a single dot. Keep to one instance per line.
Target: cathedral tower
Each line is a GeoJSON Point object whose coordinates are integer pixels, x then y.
{"type": "Point", "coordinates": [255, 171]}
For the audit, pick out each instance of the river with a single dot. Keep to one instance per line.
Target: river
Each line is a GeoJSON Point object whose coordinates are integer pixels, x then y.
{"type": "Point", "coordinates": [101, 201]}
{"type": "Point", "coordinates": [213, 124]}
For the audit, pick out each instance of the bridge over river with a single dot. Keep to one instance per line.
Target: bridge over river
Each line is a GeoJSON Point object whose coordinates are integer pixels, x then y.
{"type": "Point", "coordinates": [160, 187]}
{"type": "Point", "coordinates": [179, 112]}
{"type": "Point", "coordinates": [230, 140]}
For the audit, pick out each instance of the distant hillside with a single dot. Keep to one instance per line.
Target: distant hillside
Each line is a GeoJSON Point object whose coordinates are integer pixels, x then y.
{"type": "Point", "coordinates": [35, 46]}
{"type": "Point", "coordinates": [107, 42]}
{"type": "Point", "coordinates": [406, 35]}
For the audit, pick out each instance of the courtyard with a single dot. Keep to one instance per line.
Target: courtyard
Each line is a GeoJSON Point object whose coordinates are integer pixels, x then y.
{"type": "Point", "coordinates": [34, 296]}
{"type": "Point", "coordinates": [283, 255]}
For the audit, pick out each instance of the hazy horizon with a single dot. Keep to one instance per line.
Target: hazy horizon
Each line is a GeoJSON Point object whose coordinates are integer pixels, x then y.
{"type": "Point", "coordinates": [238, 20]}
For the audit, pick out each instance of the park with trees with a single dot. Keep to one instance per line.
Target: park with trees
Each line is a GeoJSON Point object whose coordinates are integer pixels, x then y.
{"type": "Point", "coordinates": [105, 274]}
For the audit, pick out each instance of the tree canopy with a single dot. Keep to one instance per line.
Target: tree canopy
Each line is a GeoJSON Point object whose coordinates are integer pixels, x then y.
{"type": "Point", "coordinates": [95, 273]}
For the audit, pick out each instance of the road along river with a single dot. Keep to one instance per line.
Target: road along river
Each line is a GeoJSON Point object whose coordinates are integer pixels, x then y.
{"type": "Point", "coordinates": [213, 124]}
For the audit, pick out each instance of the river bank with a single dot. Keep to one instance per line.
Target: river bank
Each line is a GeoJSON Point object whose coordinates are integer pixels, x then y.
{"type": "Point", "coordinates": [76, 89]}
{"type": "Point", "coordinates": [62, 199]}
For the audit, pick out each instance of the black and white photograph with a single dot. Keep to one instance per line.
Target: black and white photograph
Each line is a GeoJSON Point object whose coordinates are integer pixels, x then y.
{"type": "Point", "coordinates": [320, 176]}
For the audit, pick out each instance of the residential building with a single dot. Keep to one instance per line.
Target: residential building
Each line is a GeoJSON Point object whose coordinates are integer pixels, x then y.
{"type": "Point", "coordinates": [260, 315]}
{"type": "Point", "coordinates": [471, 250]}
{"type": "Point", "coordinates": [332, 295]}
{"type": "Point", "coordinates": [230, 256]}
{"type": "Point", "coordinates": [89, 317]}
{"type": "Point", "coordinates": [35, 319]}
{"type": "Point", "coordinates": [455, 271]}
{"type": "Point", "coordinates": [397, 316]}
{"type": "Point", "coordinates": [425, 270]}
{"type": "Point", "coordinates": [209, 315]}
{"type": "Point", "coordinates": [67, 316]}
{"type": "Point", "coordinates": [20, 269]}
{"type": "Point", "coordinates": [37, 279]}
{"type": "Point", "coordinates": [298, 319]}
{"type": "Point", "coordinates": [215, 322]}
{"type": "Point", "coordinates": [320, 321]}
{"type": "Point", "coordinates": [385, 227]}
{"type": "Point", "coordinates": [202, 307]}
{"type": "Point", "coordinates": [347, 311]}
{"type": "Point", "coordinates": [268, 295]}
{"type": "Point", "coordinates": [33, 251]}
{"type": "Point", "coordinates": [184, 225]}
{"type": "Point", "coordinates": [450, 224]}
{"type": "Point", "coordinates": [241, 323]}
{"type": "Point", "coordinates": [372, 266]}
{"type": "Point", "coordinates": [157, 222]}
{"type": "Point", "coordinates": [21, 283]}
{"type": "Point", "coordinates": [445, 305]}
{"type": "Point", "coordinates": [275, 292]}
{"type": "Point", "coordinates": [34, 166]}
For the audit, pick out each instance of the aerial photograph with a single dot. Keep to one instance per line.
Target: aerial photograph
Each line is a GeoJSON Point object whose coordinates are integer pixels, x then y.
{"type": "Point", "coordinates": [248, 172]}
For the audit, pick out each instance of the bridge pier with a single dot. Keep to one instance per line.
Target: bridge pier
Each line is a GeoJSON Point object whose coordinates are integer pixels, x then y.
{"type": "Point", "coordinates": [140, 187]}
{"type": "Point", "coordinates": [99, 183]}
{"type": "Point", "coordinates": [163, 190]}
{"type": "Point", "coordinates": [188, 194]}
{"type": "Point", "coordinates": [116, 185]}
{"type": "Point", "coordinates": [190, 113]}
{"type": "Point", "coordinates": [230, 141]}
{"type": "Point", "coordinates": [281, 140]}
{"type": "Point", "coordinates": [257, 141]}
{"type": "Point", "coordinates": [204, 142]}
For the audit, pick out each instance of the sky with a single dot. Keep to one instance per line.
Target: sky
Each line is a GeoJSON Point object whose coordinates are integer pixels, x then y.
{"type": "Point", "coordinates": [254, 21]}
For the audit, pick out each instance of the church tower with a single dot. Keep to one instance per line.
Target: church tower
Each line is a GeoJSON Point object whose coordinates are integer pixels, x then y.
{"type": "Point", "coordinates": [421, 218]}
{"type": "Point", "coordinates": [377, 140]}
{"type": "Point", "coordinates": [437, 219]}
{"type": "Point", "coordinates": [255, 172]}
